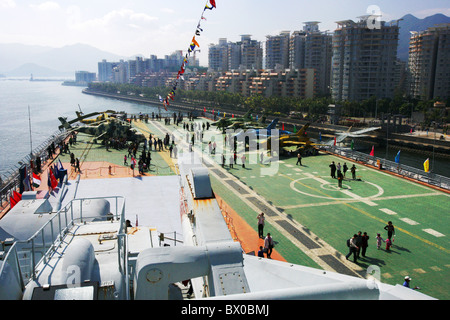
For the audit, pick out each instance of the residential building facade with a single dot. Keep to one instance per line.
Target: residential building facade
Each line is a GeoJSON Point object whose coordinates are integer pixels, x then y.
{"type": "Point", "coordinates": [277, 51]}
{"type": "Point", "coordinates": [227, 56]}
{"type": "Point", "coordinates": [312, 48]}
{"type": "Point", "coordinates": [364, 62]}
{"type": "Point", "coordinates": [429, 63]}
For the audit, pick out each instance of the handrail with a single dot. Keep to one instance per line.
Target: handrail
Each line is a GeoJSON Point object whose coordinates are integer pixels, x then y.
{"type": "Point", "coordinates": [12, 181]}
{"type": "Point", "coordinates": [63, 227]}
{"type": "Point", "coordinates": [400, 169]}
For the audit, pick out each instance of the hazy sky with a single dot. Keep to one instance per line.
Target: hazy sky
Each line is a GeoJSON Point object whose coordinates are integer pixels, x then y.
{"type": "Point", "coordinates": [129, 27]}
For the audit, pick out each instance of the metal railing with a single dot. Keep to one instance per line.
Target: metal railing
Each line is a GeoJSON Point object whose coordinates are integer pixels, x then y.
{"type": "Point", "coordinates": [165, 238]}
{"type": "Point", "coordinates": [400, 169]}
{"type": "Point", "coordinates": [11, 180]}
{"type": "Point", "coordinates": [48, 238]}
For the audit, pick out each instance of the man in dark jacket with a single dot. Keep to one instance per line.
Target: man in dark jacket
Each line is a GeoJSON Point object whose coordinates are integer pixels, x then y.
{"type": "Point", "coordinates": [353, 248]}
{"type": "Point", "coordinates": [333, 170]}
{"type": "Point", "coordinates": [364, 244]}
{"type": "Point", "coordinates": [358, 242]}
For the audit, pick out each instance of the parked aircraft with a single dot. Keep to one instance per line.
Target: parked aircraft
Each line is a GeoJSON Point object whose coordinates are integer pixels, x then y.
{"type": "Point", "coordinates": [224, 123]}
{"type": "Point", "coordinates": [299, 140]}
{"type": "Point", "coordinates": [259, 134]}
{"type": "Point", "coordinates": [106, 129]}
{"type": "Point", "coordinates": [341, 135]}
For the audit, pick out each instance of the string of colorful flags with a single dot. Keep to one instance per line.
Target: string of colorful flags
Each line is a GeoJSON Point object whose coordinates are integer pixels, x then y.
{"type": "Point", "coordinates": [192, 46]}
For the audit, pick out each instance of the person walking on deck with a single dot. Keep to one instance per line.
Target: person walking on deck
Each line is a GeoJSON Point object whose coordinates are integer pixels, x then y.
{"type": "Point", "coordinates": [364, 244]}
{"type": "Point", "coordinates": [390, 230]}
{"type": "Point", "coordinates": [358, 243]}
{"type": "Point", "coordinates": [268, 245]}
{"type": "Point", "coordinates": [351, 243]}
{"type": "Point", "coordinates": [299, 159]}
{"type": "Point", "coordinates": [340, 177]}
{"type": "Point", "coordinates": [332, 170]}
{"type": "Point", "coordinates": [353, 171]}
{"type": "Point", "coordinates": [388, 244]}
{"type": "Point", "coordinates": [77, 165]}
{"type": "Point", "coordinates": [344, 168]}
{"type": "Point", "coordinates": [261, 219]}
{"type": "Point", "coordinates": [261, 252]}
{"type": "Point", "coordinates": [379, 239]}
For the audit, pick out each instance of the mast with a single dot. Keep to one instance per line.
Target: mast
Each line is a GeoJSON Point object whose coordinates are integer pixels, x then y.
{"type": "Point", "coordinates": [31, 142]}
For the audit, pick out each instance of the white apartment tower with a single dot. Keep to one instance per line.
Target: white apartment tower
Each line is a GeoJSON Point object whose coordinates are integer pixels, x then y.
{"type": "Point", "coordinates": [364, 62]}
{"type": "Point", "coordinates": [312, 49]}
{"type": "Point", "coordinates": [227, 56]}
{"type": "Point", "coordinates": [251, 53]}
{"type": "Point", "coordinates": [277, 51]}
{"type": "Point", "coordinates": [429, 63]}
{"type": "Point", "coordinates": [218, 56]}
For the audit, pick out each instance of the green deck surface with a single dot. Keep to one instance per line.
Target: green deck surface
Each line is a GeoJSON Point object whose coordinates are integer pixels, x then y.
{"type": "Point", "coordinates": [87, 150]}
{"type": "Point", "coordinates": [335, 216]}
{"type": "Point", "coordinates": [308, 195]}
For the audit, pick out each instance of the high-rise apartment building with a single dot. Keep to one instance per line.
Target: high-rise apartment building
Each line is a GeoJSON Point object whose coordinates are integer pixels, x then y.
{"type": "Point", "coordinates": [277, 51]}
{"type": "Point", "coordinates": [105, 70]}
{"type": "Point", "coordinates": [312, 48]}
{"type": "Point", "coordinates": [120, 72]}
{"type": "Point", "coordinates": [429, 63]}
{"type": "Point", "coordinates": [227, 56]}
{"type": "Point", "coordinates": [218, 56]}
{"type": "Point", "coordinates": [136, 66]}
{"type": "Point", "coordinates": [234, 56]}
{"type": "Point", "coordinates": [251, 53]}
{"type": "Point", "coordinates": [364, 62]}
{"type": "Point", "coordinates": [85, 76]}
{"type": "Point", "coordinates": [297, 50]}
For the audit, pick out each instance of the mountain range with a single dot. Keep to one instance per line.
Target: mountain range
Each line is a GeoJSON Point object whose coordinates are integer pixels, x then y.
{"type": "Point", "coordinates": [18, 60]}
{"type": "Point", "coordinates": [411, 23]}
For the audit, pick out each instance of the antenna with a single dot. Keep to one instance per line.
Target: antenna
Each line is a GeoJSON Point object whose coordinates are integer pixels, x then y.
{"type": "Point", "coordinates": [31, 143]}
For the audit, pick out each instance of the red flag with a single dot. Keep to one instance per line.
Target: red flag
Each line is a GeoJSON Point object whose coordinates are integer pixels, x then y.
{"type": "Point", "coordinates": [334, 140]}
{"type": "Point", "coordinates": [12, 202]}
{"type": "Point", "coordinates": [53, 181]}
{"type": "Point", "coordinates": [15, 198]}
{"type": "Point", "coordinates": [372, 153]}
{"type": "Point", "coordinates": [213, 3]}
{"type": "Point", "coordinates": [282, 126]}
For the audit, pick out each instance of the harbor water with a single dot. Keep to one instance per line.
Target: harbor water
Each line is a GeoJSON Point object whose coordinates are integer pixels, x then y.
{"type": "Point", "coordinates": [48, 100]}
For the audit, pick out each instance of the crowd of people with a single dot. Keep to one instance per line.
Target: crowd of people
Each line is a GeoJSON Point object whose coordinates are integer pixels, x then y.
{"type": "Point", "coordinates": [339, 172]}
{"type": "Point", "coordinates": [359, 242]}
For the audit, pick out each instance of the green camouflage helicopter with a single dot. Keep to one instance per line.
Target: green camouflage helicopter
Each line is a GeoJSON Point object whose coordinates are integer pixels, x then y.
{"type": "Point", "coordinates": [110, 128]}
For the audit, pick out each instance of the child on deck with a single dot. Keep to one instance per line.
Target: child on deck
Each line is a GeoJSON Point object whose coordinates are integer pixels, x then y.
{"type": "Point", "coordinates": [388, 244]}
{"type": "Point", "coordinates": [379, 240]}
